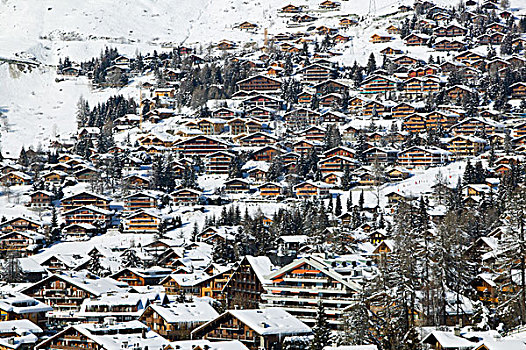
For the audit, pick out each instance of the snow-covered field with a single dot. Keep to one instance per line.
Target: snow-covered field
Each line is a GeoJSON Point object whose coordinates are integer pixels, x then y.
{"type": "Point", "coordinates": [34, 107]}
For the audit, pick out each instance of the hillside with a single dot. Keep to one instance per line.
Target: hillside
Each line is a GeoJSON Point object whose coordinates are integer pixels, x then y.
{"type": "Point", "coordinates": [35, 107]}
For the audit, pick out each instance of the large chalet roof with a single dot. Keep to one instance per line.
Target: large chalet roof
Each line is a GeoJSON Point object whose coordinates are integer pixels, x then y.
{"type": "Point", "coordinates": [35, 222]}
{"type": "Point", "coordinates": [185, 312]}
{"type": "Point", "coordinates": [319, 265]}
{"type": "Point", "coordinates": [259, 76]}
{"type": "Point", "coordinates": [187, 279]}
{"type": "Point", "coordinates": [96, 286]}
{"type": "Point", "coordinates": [19, 303]}
{"type": "Point", "coordinates": [316, 65]}
{"type": "Point", "coordinates": [487, 121]}
{"type": "Point", "coordinates": [114, 336]}
{"type": "Point", "coordinates": [179, 190]}
{"type": "Point", "coordinates": [261, 265]}
{"type": "Point", "coordinates": [447, 340]}
{"type": "Point", "coordinates": [268, 321]}
{"type": "Point", "coordinates": [203, 136]}
{"type": "Point", "coordinates": [271, 321]}
{"type": "Point", "coordinates": [146, 193]}
{"type": "Point", "coordinates": [87, 193]}
{"type": "Point", "coordinates": [431, 150]}
{"type": "Point", "coordinates": [91, 208]}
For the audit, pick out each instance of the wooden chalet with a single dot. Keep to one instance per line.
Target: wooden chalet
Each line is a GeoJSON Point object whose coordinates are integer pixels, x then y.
{"type": "Point", "coordinates": [261, 100]}
{"type": "Point", "coordinates": [176, 321]}
{"type": "Point", "coordinates": [41, 199]}
{"type": "Point", "coordinates": [219, 162]}
{"type": "Point", "coordinates": [256, 329]}
{"type": "Point", "coordinates": [245, 286]}
{"type": "Point", "coordinates": [20, 224]}
{"type": "Point", "coordinates": [302, 117]}
{"type": "Point", "coordinates": [337, 164]}
{"type": "Point", "coordinates": [465, 146]}
{"type": "Point", "coordinates": [416, 39]}
{"type": "Point", "coordinates": [237, 186]}
{"type": "Point", "coordinates": [85, 199]}
{"type": "Point", "coordinates": [15, 178]}
{"type": "Point", "coordinates": [270, 190]}
{"type": "Point", "coordinates": [87, 215]}
{"type": "Point", "coordinates": [186, 196]}
{"type": "Point", "coordinates": [200, 145]}
{"type": "Point", "coordinates": [141, 200]}
{"type": "Point", "coordinates": [309, 189]}
{"type": "Point", "coordinates": [142, 221]}
{"type": "Point", "coordinates": [266, 153]}
{"type": "Point", "coordinates": [416, 157]}
{"type": "Point", "coordinates": [378, 84]}
{"type": "Point", "coordinates": [518, 90]}
{"type": "Point", "coordinates": [380, 39]}
{"type": "Point", "coordinates": [141, 277]}
{"type": "Point", "coordinates": [317, 73]}
{"type": "Point", "coordinates": [259, 83]}
{"type": "Point", "coordinates": [257, 139]}
{"type": "Point", "coordinates": [21, 243]}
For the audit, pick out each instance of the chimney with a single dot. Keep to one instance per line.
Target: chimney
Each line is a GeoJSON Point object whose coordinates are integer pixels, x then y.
{"type": "Point", "coordinates": [143, 334]}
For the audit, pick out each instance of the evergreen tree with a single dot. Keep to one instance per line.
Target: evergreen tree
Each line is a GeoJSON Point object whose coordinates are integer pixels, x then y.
{"type": "Point", "coordinates": [130, 259]}
{"type": "Point", "coordinates": [338, 206]}
{"type": "Point", "coordinates": [11, 271]}
{"type": "Point", "coordinates": [349, 202]}
{"type": "Point", "coordinates": [321, 330]}
{"type": "Point", "coordinates": [361, 201]}
{"type": "Point", "coordinates": [95, 266]}
{"type": "Point", "coordinates": [23, 158]}
{"type": "Point", "coordinates": [371, 64]}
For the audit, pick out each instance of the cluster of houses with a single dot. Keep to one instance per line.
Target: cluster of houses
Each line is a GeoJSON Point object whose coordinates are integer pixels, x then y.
{"type": "Point", "coordinates": [169, 293]}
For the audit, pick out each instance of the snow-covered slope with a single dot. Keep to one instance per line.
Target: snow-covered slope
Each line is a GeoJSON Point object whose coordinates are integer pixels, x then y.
{"type": "Point", "coordinates": [35, 107]}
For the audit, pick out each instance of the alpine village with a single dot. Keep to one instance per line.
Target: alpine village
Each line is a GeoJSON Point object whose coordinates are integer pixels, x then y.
{"type": "Point", "coordinates": [282, 193]}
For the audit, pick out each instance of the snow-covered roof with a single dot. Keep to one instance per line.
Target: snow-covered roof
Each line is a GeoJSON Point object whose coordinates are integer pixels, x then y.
{"type": "Point", "coordinates": [261, 265]}
{"type": "Point", "coordinates": [271, 321]}
{"type": "Point", "coordinates": [502, 344]}
{"type": "Point", "coordinates": [196, 312]}
{"type": "Point", "coordinates": [189, 279]}
{"type": "Point", "coordinates": [95, 286]}
{"type": "Point", "coordinates": [203, 343]}
{"type": "Point", "coordinates": [19, 303]}
{"type": "Point", "coordinates": [351, 347]}
{"type": "Point", "coordinates": [19, 326]}
{"type": "Point", "coordinates": [115, 336]}
{"type": "Point", "coordinates": [447, 340]}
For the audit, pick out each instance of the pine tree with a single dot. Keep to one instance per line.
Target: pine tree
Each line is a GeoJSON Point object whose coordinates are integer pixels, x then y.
{"type": "Point", "coordinates": [338, 206]}
{"type": "Point", "coordinates": [195, 231]}
{"type": "Point", "coordinates": [95, 266]}
{"type": "Point", "coordinates": [321, 330]}
{"type": "Point", "coordinates": [411, 340]}
{"type": "Point", "coordinates": [54, 219]}
{"type": "Point", "coordinates": [349, 202]}
{"type": "Point", "coordinates": [469, 174]}
{"type": "Point", "coordinates": [356, 326]}
{"type": "Point", "coordinates": [512, 263]}
{"type": "Point", "coordinates": [130, 259]}
{"type": "Point", "coordinates": [361, 201]}
{"type": "Point", "coordinates": [371, 64]}
{"type": "Point", "coordinates": [346, 178]}
{"type": "Point", "coordinates": [22, 158]}
{"type": "Point", "coordinates": [11, 271]}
